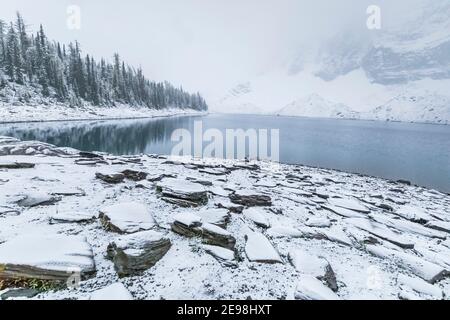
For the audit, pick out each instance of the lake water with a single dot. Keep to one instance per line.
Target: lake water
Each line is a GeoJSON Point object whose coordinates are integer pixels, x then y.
{"type": "Point", "coordinates": [419, 153]}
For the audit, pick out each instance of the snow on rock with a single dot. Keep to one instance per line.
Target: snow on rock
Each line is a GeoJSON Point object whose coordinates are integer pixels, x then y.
{"type": "Point", "coordinates": [259, 249]}
{"type": "Point", "coordinates": [71, 217]}
{"type": "Point", "coordinates": [426, 270]}
{"type": "Point", "coordinates": [381, 231]}
{"type": "Point", "coordinates": [34, 199]}
{"type": "Point", "coordinates": [112, 178]}
{"type": "Point", "coordinates": [310, 288]}
{"type": "Point", "coordinates": [250, 198]}
{"type": "Point", "coordinates": [408, 226]}
{"type": "Point", "coordinates": [192, 225]}
{"type": "Point", "coordinates": [420, 286]}
{"type": "Point", "coordinates": [414, 214]}
{"type": "Point", "coordinates": [137, 252]}
{"type": "Point", "coordinates": [318, 222]}
{"type": "Point", "coordinates": [280, 231]}
{"type": "Point", "coordinates": [127, 217]}
{"type": "Point", "coordinates": [68, 191]}
{"type": "Point", "coordinates": [188, 268]}
{"type": "Point", "coordinates": [115, 291]}
{"type": "Point", "coordinates": [258, 216]}
{"type": "Point", "coordinates": [309, 264]}
{"type": "Point", "coordinates": [351, 204]}
{"type": "Point", "coordinates": [46, 257]}
{"type": "Point", "coordinates": [215, 235]}
{"type": "Point", "coordinates": [16, 165]}
{"type": "Point", "coordinates": [347, 213]}
{"type": "Point", "coordinates": [182, 192]}
{"type": "Point", "coordinates": [219, 217]}
{"type": "Point", "coordinates": [187, 224]}
{"type": "Point", "coordinates": [336, 234]}
{"type": "Point", "coordinates": [436, 254]}
{"type": "Point", "coordinates": [220, 253]}
{"type": "Point", "coordinates": [439, 225]}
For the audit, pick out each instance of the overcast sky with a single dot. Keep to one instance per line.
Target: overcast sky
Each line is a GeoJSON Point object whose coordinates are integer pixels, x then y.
{"type": "Point", "coordinates": [201, 44]}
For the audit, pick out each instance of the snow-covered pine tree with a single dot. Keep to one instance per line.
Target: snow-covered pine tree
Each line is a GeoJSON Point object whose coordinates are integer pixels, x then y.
{"type": "Point", "coordinates": [63, 73]}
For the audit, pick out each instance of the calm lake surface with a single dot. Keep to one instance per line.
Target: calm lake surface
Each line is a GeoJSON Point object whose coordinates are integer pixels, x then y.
{"type": "Point", "coordinates": [419, 153]}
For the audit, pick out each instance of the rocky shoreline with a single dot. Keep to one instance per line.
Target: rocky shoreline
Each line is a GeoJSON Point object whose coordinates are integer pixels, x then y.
{"type": "Point", "coordinates": [88, 225]}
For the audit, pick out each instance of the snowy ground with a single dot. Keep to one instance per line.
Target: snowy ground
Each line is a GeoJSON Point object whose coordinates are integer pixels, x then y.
{"type": "Point", "coordinates": [378, 237]}
{"type": "Point", "coordinates": [55, 112]}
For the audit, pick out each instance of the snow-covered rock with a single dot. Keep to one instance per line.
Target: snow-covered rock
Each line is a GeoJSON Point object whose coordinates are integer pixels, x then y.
{"type": "Point", "coordinates": [351, 204]}
{"type": "Point", "coordinates": [310, 288]}
{"type": "Point", "coordinates": [127, 217]}
{"type": "Point", "coordinates": [381, 231]}
{"type": "Point", "coordinates": [428, 271]}
{"type": "Point", "coordinates": [420, 286]}
{"type": "Point", "coordinates": [414, 214]}
{"type": "Point", "coordinates": [258, 216]}
{"type": "Point", "coordinates": [250, 198]}
{"type": "Point", "coordinates": [46, 257]}
{"type": "Point", "coordinates": [34, 199]}
{"type": "Point", "coordinates": [71, 217]}
{"type": "Point", "coordinates": [318, 222]}
{"type": "Point", "coordinates": [280, 231]}
{"type": "Point", "coordinates": [439, 225]}
{"type": "Point", "coordinates": [137, 252]}
{"type": "Point", "coordinates": [319, 267]}
{"type": "Point", "coordinates": [182, 192]}
{"type": "Point", "coordinates": [115, 291]}
{"type": "Point", "coordinates": [259, 249]}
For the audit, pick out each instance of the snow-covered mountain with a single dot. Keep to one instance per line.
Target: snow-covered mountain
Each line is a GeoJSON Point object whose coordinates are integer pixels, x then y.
{"type": "Point", "coordinates": [316, 106]}
{"type": "Point", "coordinates": [399, 73]}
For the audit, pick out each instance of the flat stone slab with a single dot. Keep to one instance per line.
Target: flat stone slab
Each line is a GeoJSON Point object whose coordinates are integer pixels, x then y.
{"type": "Point", "coordinates": [16, 165]}
{"type": "Point", "coordinates": [348, 203]}
{"type": "Point", "coordinates": [343, 212]}
{"type": "Point", "coordinates": [112, 178]}
{"type": "Point", "coordinates": [250, 198]}
{"type": "Point", "coordinates": [318, 222]}
{"type": "Point", "coordinates": [68, 191]}
{"type": "Point", "coordinates": [439, 225]}
{"type": "Point", "coordinates": [191, 225]}
{"type": "Point", "coordinates": [381, 231]}
{"type": "Point", "coordinates": [259, 249]}
{"type": "Point", "coordinates": [414, 214]}
{"type": "Point", "coordinates": [34, 199]}
{"type": "Point", "coordinates": [219, 217]}
{"type": "Point", "coordinates": [411, 286]}
{"type": "Point", "coordinates": [280, 231]}
{"type": "Point", "coordinates": [115, 291]}
{"type": "Point", "coordinates": [424, 269]}
{"type": "Point", "coordinates": [319, 267]}
{"type": "Point", "coordinates": [71, 217]}
{"type": "Point", "coordinates": [409, 226]}
{"type": "Point", "coordinates": [257, 216]}
{"type": "Point", "coordinates": [137, 252]}
{"type": "Point", "coordinates": [127, 217]}
{"type": "Point", "coordinates": [183, 190]}
{"type": "Point", "coordinates": [223, 255]}
{"type": "Point", "coordinates": [310, 288]}
{"type": "Point", "coordinates": [46, 257]}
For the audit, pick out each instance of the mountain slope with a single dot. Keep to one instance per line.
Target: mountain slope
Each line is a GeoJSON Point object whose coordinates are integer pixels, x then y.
{"type": "Point", "coordinates": [399, 73]}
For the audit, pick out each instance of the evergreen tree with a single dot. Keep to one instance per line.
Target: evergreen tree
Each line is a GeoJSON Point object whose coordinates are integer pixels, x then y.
{"type": "Point", "coordinates": [61, 72]}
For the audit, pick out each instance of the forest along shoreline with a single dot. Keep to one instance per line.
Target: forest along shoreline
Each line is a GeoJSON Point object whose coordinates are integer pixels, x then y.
{"type": "Point", "coordinates": [87, 115]}
{"type": "Point", "coordinates": [155, 227]}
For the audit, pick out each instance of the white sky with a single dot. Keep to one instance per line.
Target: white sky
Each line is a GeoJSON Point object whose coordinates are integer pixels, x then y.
{"type": "Point", "coordinates": [205, 45]}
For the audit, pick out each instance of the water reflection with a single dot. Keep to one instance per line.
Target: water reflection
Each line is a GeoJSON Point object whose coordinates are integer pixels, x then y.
{"type": "Point", "coordinates": [416, 152]}
{"type": "Point", "coordinates": [114, 136]}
